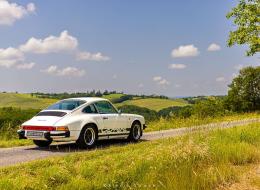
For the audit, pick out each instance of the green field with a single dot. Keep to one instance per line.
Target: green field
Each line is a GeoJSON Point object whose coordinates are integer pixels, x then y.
{"type": "Point", "coordinates": [24, 101]}
{"type": "Point", "coordinates": [112, 96]}
{"type": "Point", "coordinates": [205, 160]}
{"type": "Point", "coordinates": [154, 103]}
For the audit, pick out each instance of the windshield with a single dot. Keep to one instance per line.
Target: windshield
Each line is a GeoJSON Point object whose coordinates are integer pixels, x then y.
{"type": "Point", "coordinates": [66, 105]}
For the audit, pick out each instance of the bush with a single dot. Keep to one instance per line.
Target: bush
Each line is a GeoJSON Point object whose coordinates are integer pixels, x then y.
{"type": "Point", "coordinates": [176, 111]}
{"type": "Point", "coordinates": [122, 99]}
{"type": "Point", "coordinates": [209, 108]}
{"type": "Point", "coordinates": [11, 118]}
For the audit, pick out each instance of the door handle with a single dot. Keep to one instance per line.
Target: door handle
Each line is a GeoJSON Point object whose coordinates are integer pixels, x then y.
{"type": "Point", "coordinates": [105, 117]}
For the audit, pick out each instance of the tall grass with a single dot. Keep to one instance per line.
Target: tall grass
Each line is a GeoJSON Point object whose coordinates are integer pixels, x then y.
{"type": "Point", "coordinates": [198, 161]}
{"type": "Point", "coordinates": [175, 122]}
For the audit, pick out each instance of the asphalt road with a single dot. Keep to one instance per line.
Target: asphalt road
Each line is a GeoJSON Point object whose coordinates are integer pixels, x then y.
{"type": "Point", "coordinates": [17, 155]}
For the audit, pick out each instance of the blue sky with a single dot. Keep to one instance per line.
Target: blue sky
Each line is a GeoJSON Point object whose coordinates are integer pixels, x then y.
{"type": "Point", "coordinates": [135, 46]}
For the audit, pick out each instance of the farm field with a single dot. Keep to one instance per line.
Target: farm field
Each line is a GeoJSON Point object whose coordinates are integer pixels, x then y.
{"type": "Point", "coordinates": [205, 160]}
{"type": "Point", "coordinates": [24, 101]}
{"type": "Point", "coordinates": [154, 103]}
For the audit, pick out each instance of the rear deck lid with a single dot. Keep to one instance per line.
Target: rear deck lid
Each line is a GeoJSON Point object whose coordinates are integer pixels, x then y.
{"type": "Point", "coordinates": [46, 118]}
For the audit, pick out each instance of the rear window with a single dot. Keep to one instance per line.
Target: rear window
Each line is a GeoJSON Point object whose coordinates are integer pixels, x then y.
{"type": "Point", "coordinates": [66, 105]}
{"type": "Point", "coordinates": [52, 113]}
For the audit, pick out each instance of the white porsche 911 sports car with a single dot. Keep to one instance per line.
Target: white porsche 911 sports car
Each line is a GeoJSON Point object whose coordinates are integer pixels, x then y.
{"type": "Point", "coordinates": [84, 120]}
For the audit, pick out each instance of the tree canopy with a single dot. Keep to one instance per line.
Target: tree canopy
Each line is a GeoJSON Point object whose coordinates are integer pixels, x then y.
{"type": "Point", "coordinates": [246, 17]}
{"type": "Point", "coordinates": [244, 92]}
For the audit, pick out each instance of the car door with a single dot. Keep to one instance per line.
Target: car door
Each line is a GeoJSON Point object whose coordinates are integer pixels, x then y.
{"type": "Point", "coordinates": [112, 121]}
{"type": "Point", "coordinates": [91, 109]}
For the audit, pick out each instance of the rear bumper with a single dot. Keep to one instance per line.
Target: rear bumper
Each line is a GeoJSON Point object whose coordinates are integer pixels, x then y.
{"type": "Point", "coordinates": [47, 135]}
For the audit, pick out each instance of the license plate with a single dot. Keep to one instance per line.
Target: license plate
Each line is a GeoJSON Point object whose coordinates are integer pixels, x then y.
{"type": "Point", "coordinates": [34, 134]}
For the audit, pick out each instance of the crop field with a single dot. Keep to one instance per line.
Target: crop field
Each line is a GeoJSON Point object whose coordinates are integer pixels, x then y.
{"type": "Point", "coordinates": [24, 101]}
{"type": "Point", "coordinates": [154, 103]}
{"type": "Point", "coordinates": [205, 160]}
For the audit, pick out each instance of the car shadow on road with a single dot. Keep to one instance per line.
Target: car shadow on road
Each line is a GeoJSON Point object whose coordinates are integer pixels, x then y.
{"type": "Point", "coordinates": [72, 147]}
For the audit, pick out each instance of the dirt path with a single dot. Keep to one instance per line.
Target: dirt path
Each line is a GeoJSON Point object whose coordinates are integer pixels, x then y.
{"type": "Point", "coordinates": [16, 155]}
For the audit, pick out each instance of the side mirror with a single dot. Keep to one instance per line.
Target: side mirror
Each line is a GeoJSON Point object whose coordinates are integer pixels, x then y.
{"type": "Point", "coordinates": [119, 111]}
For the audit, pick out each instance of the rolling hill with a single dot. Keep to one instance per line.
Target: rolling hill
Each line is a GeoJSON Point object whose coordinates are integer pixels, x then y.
{"type": "Point", "coordinates": [24, 101]}
{"type": "Point", "coordinates": [154, 103]}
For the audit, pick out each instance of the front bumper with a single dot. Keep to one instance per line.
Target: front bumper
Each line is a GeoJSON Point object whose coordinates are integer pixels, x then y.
{"type": "Point", "coordinates": [46, 135]}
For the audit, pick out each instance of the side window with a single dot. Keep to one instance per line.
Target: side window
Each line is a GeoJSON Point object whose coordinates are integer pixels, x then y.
{"type": "Point", "coordinates": [105, 107]}
{"type": "Point", "coordinates": [90, 109]}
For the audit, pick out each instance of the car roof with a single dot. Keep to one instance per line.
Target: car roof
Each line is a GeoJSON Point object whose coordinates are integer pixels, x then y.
{"type": "Point", "coordinates": [88, 99]}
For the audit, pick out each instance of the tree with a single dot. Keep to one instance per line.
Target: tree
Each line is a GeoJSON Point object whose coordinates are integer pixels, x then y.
{"type": "Point", "coordinates": [244, 92]}
{"type": "Point", "coordinates": [246, 16]}
{"type": "Point", "coordinates": [209, 108]}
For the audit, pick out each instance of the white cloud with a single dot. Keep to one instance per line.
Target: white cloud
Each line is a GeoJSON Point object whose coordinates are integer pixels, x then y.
{"type": "Point", "coordinates": [220, 79]}
{"type": "Point", "coordinates": [51, 44]}
{"type": "Point", "coordinates": [10, 56]}
{"type": "Point", "coordinates": [163, 82]}
{"type": "Point", "coordinates": [177, 66]}
{"type": "Point", "coordinates": [157, 78]}
{"type": "Point", "coordinates": [214, 47]}
{"type": "Point", "coordinates": [31, 7]}
{"type": "Point", "coordinates": [10, 12]}
{"type": "Point", "coordinates": [177, 85]}
{"type": "Point", "coordinates": [185, 51]}
{"type": "Point", "coordinates": [160, 81]}
{"type": "Point", "coordinates": [67, 71]}
{"type": "Point", "coordinates": [25, 65]}
{"type": "Point", "coordinates": [91, 56]}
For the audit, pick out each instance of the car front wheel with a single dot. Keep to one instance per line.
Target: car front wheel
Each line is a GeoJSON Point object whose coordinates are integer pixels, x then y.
{"type": "Point", "coordinates": [87, 138]}
{"type": "Point", "coordinates": [135, 132]}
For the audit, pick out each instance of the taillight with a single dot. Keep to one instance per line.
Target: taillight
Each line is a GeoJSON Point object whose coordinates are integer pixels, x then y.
{"type": "Point", "coordinates": [39, 128]}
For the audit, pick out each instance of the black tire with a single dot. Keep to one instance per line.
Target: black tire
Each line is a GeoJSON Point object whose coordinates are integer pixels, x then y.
{"type": "Point", "coordinates": [41, 143]}
{"type": "Point", "coordinates": [87, 137]}
{"type": "Point", "coordinates": [135, 132]}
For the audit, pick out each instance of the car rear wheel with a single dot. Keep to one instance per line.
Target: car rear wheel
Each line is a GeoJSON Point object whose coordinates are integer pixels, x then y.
{"type": "Point", "coordinates": [135, 132]}
{"type": "Point", "coordinates": [87, 138]}
{"type": "Point", "coordinates": [41, 143]}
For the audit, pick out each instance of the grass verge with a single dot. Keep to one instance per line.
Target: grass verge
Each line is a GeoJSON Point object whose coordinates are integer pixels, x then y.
{"type": "Point", "coordinates": [172, 123]}
{"type": "Point", "coordinates": [204, 160]}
